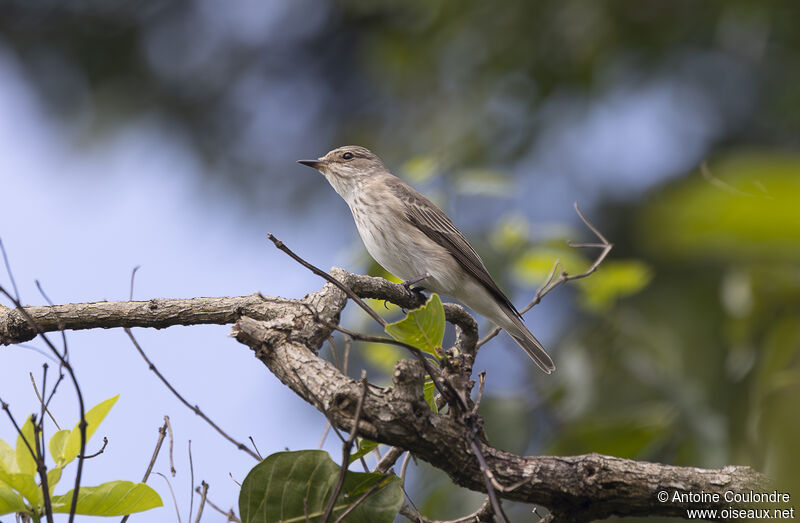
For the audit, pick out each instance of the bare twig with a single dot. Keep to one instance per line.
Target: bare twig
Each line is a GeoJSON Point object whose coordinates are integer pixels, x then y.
{"type": "Point", "coordinates": [554, 281]}
{"type": "Point", "coordinates": [172, 493]}
{"type": "Point", "coordinates": [347, 290]}
{"type": "Point", "coordinates": [347, 448]}
{"type": "Point", "coordinates": [9, 271]}
{"type": "Point", "coordinates": [255, 447]}
{"type": "Point", "coordinates": [191, 475]}
{"type": "Point", "coordinates": [230, 515]}
{"type": "Point", "coordinates": [196, 409]}
{"type": "Point", "coordinates": [102, 449]}
{"type": "Point", "coordinates": [41, 400]}
{"type": "Point", "coordinates": [41, 468]}
{"type": "Point", "coordinates": [133, 278]}
{"type": "Point", "coordinates": [203, 494]}
{"type": "Point", "coordinates": [388, 460]}
{"type": "Point", "coordinates": [171, 446]}
{"type": "Point", "coordinates": [162, 433]}
{"type": "Point", "coordinates": [357, 502]}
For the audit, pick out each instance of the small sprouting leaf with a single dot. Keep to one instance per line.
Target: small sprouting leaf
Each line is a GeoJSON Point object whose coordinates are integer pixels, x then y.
{"type": "Point", "coordinates": [26, 463]}
{"type": "Point", "coordinates": [23, 483]}
{"type": "Point", "coordinates": [365, 446]}
{"type": "Point", "coordinates": [115, 498]}
{"type": "Point", "coordinates": [292, 487]}
{"type": "Point", "coordinates": [8, 457]}
{"type": "Point", "coordinates": [94, 417]}
{"type": "Point", "coordinates": [422, 328]}
{"type": "Point", "coordinates": [429, 390]}
{"type": "Point", "coordinates": [58, 445]}
{"type": "Point", "coordinates": [53, 477]}
{"type": "Point", "coordinates": [11, 502]}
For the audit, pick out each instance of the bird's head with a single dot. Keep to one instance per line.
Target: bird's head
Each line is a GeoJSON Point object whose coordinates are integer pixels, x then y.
{"type": "Point", "coordinates": [347, 167]}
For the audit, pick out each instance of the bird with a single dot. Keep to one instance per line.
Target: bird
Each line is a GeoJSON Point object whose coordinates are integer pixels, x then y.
{"type": "Point", "coordinates": [412, 238]}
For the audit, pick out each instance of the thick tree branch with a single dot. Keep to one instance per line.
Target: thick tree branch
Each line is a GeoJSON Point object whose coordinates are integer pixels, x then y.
{"type": "Point", "coordinates": [286, 336]}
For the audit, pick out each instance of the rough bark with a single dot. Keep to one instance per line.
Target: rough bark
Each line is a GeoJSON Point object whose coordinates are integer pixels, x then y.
{"type": "Point", "coordinates": [286, 336]}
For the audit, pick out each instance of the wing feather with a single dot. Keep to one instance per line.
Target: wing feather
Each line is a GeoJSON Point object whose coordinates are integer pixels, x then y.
{"type": "Point", "coordinates": [435, 224]}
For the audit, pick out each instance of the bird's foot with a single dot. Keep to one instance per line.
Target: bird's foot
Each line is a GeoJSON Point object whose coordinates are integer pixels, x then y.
{"type": "Point", "coordinates": [408, 283]}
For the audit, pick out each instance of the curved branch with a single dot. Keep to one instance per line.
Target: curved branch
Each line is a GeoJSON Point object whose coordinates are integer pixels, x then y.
{"type": "Point", "coordinates": [286, 336]}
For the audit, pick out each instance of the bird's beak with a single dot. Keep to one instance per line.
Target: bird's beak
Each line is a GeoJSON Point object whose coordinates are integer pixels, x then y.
{"type": "Point", "coordinates": [315, 164]}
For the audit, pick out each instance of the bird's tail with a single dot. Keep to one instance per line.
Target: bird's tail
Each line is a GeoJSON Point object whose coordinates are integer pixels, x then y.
{"type": "Point", "coordinates": [528, 341]}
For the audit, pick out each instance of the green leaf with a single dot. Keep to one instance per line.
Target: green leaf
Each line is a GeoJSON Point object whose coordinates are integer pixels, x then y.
{"type": "Point", "coordinates": [93, 419]}
{"type": "Point", "coordinates": [53, 477]}
{"type": "Point", "coordinates": [8, 457]}
{"type": "Point", "coordinates": [383, 356]}
{"type": "Point", "coordinates": [743, 207]}
{"type": "Point", "coordinates": [26, 463]}
{"type": "Point", "coordinates": [288, 486]}
{"type": "Point", "coordinates": [11, 502]}
{"type": "Point", "coordinates": [23, 483]}
{"type": "Point", "coordinates": [535, 265]}
{"type": "Point", "coordinates": [422, 328]}
{"type": "Point", "coordinates": [429, 389]}
{"type": "Point", "coordinates": [365, 446]}
{"type": "Point", "coordinates": [115, 498]}
{"type": "Point", "coordinates": [613, 280]}
{"type": "Point", "coordinates": [58, 446]}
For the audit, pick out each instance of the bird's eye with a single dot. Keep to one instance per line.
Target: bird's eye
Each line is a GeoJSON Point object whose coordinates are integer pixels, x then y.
{"type": "Point", "coordinates": [347, 156]}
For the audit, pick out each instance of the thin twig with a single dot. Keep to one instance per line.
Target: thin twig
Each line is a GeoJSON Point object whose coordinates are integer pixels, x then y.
{"type": "Point", "coordinates": [404, 467]}
{"type": "Point", "coordinates": [171, 446]}
{"type": "Point", "coordinates": [191, 475]}
{"type": "Point", "coordinates": [352, 295]}
{"type": "Point", "coordinates": [202, 500]}
{"type": "Point", "coordinates": [8, 270]}
{"type": "Point", "coordinates": [41, 467]}
{"type": "Point", "coordinates": [162, 433]}
{"type": "Point", "coordinates": [41, 400]}
{"type": "Point", "coordinates": [102, 449]}
{"type": "Point", "coordinates": [133, 277]}
{"type": "Point", "coordinates": [359, 501]}
{"type": "Point", "coordinates": [552, 281]}
{"type": "Point", "coordinates": [196, 409]}
{"type": "Point", "coordinates": [347, 448]}
{"type": "Point", "coordinates": [230, 515]}
{"type": "Point", "coordinates": [172, 492]}
{"type": "Point", "coordinates": [388, 460]}
{"type": "Point", "coordinates": [255, 447]}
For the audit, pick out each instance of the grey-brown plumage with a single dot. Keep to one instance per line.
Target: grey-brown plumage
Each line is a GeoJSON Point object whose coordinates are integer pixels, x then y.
{"type": "Point", "coordinates": [411, 237]}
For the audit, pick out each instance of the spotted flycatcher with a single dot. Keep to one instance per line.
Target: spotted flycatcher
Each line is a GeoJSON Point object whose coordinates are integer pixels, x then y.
{"type": "Point", "coordinates": [414, 240]}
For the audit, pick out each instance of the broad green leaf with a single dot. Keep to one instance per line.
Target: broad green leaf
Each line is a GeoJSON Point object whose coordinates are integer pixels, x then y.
{"type": "Point", "coordinates": [11, 502]}
{"type": "Point", "coordinates": [743, 207]}
{"type": "Point", "coordinates": [365, 446]}
{"type": "Point", "coordinates": [430, 394]}
{"type": "Point", "coordinates": [25, 484]}
{"type": "Point", "coordinates": [422, 328]}
{"type": "Point", "coordinates": [115, 498]}
{"type": "Point", "coordinates": [288, 486]}
{"type": "Point", "coordinates": [613, 280]}
{"type": "Point", "coordinates": [58, 445]}
{"type": "Point", "coordinates": [8, 457]}
{"type": "Point", "coordinates": [26, 463]}
{"type": "Point", "coordinates": [535, 265]}
{"type": "Point", "coordinates": [94, 417]}
{"type": "Point", "coordinates": [53, 477]}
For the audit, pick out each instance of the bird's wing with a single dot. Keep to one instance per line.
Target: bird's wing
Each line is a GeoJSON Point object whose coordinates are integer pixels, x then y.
{"type": "Point", "coordinates": [432, 221]}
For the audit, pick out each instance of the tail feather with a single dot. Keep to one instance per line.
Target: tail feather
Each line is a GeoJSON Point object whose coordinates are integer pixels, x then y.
{"type": "Point", "coordinates": [536, 351]}
{"type": "Point", "coordinates": [532, 346]}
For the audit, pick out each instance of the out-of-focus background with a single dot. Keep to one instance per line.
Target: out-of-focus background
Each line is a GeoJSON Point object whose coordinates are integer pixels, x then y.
{"type": "Point", "coordinates": [164, 135]}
